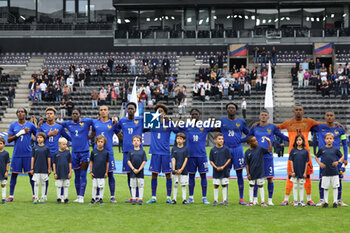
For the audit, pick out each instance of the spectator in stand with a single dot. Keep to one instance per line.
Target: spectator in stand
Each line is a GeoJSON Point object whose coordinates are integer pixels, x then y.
{"type": "Point", "coordinates": [87, 74]}
{"type": "Point", "coordinates": [263, 56]}
{"type": "Point", "coordinates": [118, 69]}
{"type": "Point", "coordinates": [258, 82]}
{"type": "Point", "coordinates": [133, 65]}
{"type": "Point", "coordinates": [201, 72]}
{"type": "Point", "coordinates": [182, 106]}
{"type": "Point", "coordinates": [143, 98]}
{"type": "Point", "coordinates": [220, 61]}
{"type": "Point", "coordinates": [318, 84]}
{"type": "Point", "coordinates": [241, 89]}
{"type": "Point", "coordinates": [145, 65]}
{"type": "Point", "coordinates": [154, 63]}
{"type": "Point", "coordinates": [264, 77]}
{"type": "Point", "coordinates": [323, 73]}
{"type": "Point", "coordinates": [202, 93]}
{"type": "Point", "coordinates": [306, 78]}
{"type": "Point", "coordinates": [102, 97]}
{"type": "Point", "coordinates": [300, 78]}
{"type": "Point", "coordinates": [32, 95]}
{"type": "Point", "coordinates": [81, 78]}
{"type": "Point", "coordinates": [11, 95]}
{"type": "Point", "coordinates": [114, 97]}
{"type": "Point", "coordinates": [124, 95]}
{"type": "Point", "coordinates": [166, 65]}
{"type": "Point", "coordinates": [318, 66]}
{"type": "Point", "coordinates": [305, 65]}
{"type": "Point", "coordinates": [330, 69]}
{"type": "Point", "coordinates": [226, 86]}
{"type": "Point", "coordinates": [311, 65]}
{"type": "Point", "coordinates": [59, 119]}
{"type": "Point", "coordinates": [70, 107]}
{"type": "Point", "coordinates": [157, 94]}
{"type": "Point", "coordinates": [297, 60]}
{"type": "Point", "coordinates": [340, 70]}
{"type": "Point", "coordinates": [325, 89]}
{"type": "Point", "coordinates": [110, 63]}
{"type": "Point", "coordinates": [43, 88]}
{"type": "Point", "coordinates": [220, 89]}
{"type": "Point", "coordinates": [347, 69]}
{"type": "Point", "coordinates": [247, 88]}
{"type": "Point", "coordinates": [337, 85]}
{"type": "Point", "coordinates": [195, 89]}
{"type": "Point", "coordinates": [60, 71]}
{"type": "Point", "coordinates": [231, 92]}
{"type": "Point", "coordinates": [212, 62]}
{"type": "Point", "coordinates": [273, 56]}
{"type": "Point", "coordinates": [344, 87]}
{"type": "Point", "coordinates": [244, 107]}
{"type": "Point", "coordinates": [207, 87]}
{"type": "Point", "coordinates": [38, 93]}
{"type": "Point", "coordinates": [253, 76]}
{"type": "Point", "coordinates": [51, 93]}
{"type": "Point", "coordinates": [63, 108]}
{"type": "Point", "coordinates": [65, 92]}
{"type": "Point", "coordinates": [256, 55]}
{"type": "Point", "coordinates": [124, 69]}
{"type": "Point", "coordinates": [70, 82]}
{"type": "Point", "coordinates": [313, 78]}
{"type": "Point", "coordinates": [184, 90]}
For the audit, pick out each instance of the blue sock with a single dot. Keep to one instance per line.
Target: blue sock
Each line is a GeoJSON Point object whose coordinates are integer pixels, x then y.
{"type": "Point", "coordinates": [31, 183]}
{"type": "Point", "coordinates": [77, 181]}
{"type": "Point", "coordinates": [137, 192]}
{"type": "Point", "coordinates": [111, 182]}
{"type": "Point", "coordinates": [62, 191]}
{"type": "Point", "coordinates": [169, 183]}
{"type": "Point", "coordinates": [270, 187]}
{"type": "Point", "coordinates": [240, 182]}
{"type": "Point", "coordinates": [255, 190]}
{"type": "Point", "coordinates": [191, 184]}
{"type": "Point", "coordinates": [13, 182]}
{"type": "Point", "coordinates": [321, 190]}
{"type": "Point", "coordinates": [204, 184]}
{"type": "Point", "coordinates": [154, 184]}
{"type": "Point", "coordinates": [47, 185]}
{"type": "Point", "coordinates": [340, 189]}
{"type": "Point", "coordinates": [97, 192]}
{"type": "Point", "coordinates": [83, 181]}
{"type": "Point", "coordinates": [128, 174]}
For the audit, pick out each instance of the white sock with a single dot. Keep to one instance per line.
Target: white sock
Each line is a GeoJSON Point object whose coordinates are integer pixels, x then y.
{"type": "Point", "coordinates": [175, 191]}
{"type": "Point", "coordinates": [295, 193]}
{"type": "Point", "coordinates": [224, 193]}
{"type": "Point", "coordinates": [301, 192]}
{"type": "Point", "coordinates": [335, 195]}
{"type": "Point", "coordinates": [326, 191]}
{"type": "Point", "coordinates": [216, 194]}
{"type": "Point", "coordinates": [102, 192]}
{"type": "Point", "coordinates": [255, 199]}
{"type": "Point", "coordinates": [269, 200]}
{"type": "Point", "coordinates": [262, 194]}
{"type": "Point", "coordinates": [58, 191]}
{"type": "Point", "coordinates": [154, 197]}
{"type": "Point", "coordinates": [3, 189]}
{"type": "Point", "coordinates": [65, 192]}
{"type": "Point", "coordinates": [286, 197]}
{"type": "Point", "coordinates": [251, 193]}
{"type": "Point", "coordinates": [184, 192]}
{"type": "Point", "coordinates": [140, 193]}
{"type": "Point", "coordinates": [133, 193]}
{"type": "Point", "coordinates": [190, 197]}
{"type": "Point", "coordinates": [94, 191]}
{"type": "Point", "coordinates": [43, 188]}
{"type": "Point", "coordinates": [308, 197]}
{"type": "Point", "coordinates": [36, 190]}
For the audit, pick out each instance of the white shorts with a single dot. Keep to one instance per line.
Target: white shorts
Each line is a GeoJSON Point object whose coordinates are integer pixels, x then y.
{"type": "Point", "coordinates": [62, 183]}
{"type": "Point", "coordinates": [137, 182]}
{"type": "Point", "coordinates": [4, 182]}
{"type": "Point", "coordinates": [180, 179]}
{"type": "Point", "coordinates": [40, 177]}
{"type": "Point", "coordinates": [259, 181]}
{"type": "Point", "coordinates": [330, 181]}
{"type": "Point", "coordinates": [98, 182]}
{"type": "Point", "coordinates": [297, 180]}
{"type": "Point", "coordinates": [223, 181]}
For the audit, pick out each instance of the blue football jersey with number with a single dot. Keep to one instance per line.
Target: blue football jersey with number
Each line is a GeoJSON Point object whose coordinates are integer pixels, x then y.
{"type": "Point", "coordinates": [105, 129]}
{"type": "Point", "coordinates": [52, 142]}
{"type": "Point", "coordinates": [232, 131]}
{"type": "Point", "coordinates": [79, 132]}
{"type": "Point", "coordinates": [160, 140]}
{"type": "Point", "coordinates": [196, 139]}
{"type": "Point", "coordinates": [323, 129]}
{"type": "Point", "coordinates": [22, 147]}
{"type": "Point", "coordinates": [266, 131]}
{"type": "Point", "coordinates": [130, 128]}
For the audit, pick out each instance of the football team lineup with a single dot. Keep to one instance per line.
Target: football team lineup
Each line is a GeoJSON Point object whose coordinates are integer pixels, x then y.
{"type": "Point", "coordinates": [50, 154]}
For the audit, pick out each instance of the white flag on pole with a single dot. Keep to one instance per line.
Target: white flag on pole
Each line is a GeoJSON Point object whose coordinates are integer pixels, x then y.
{"type": "Point", "coordinates": [269, 95]}
{"type": "Point", "coordinates": [133, 97]}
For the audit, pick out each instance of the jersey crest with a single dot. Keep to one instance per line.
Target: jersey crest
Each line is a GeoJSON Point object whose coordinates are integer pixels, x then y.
{"type": "Point", "coordinates": [238, 125]}
{"type": "Point", "coordinates": [268, 130]}
{"type": "Point", "coordinates": [109, 126]}
{"type": "Point", "coordinates": [81, 124]}
{"type": "Point", "coordinates": [136, 122]}
{"type": "Point", "coordinates": [336, 132]}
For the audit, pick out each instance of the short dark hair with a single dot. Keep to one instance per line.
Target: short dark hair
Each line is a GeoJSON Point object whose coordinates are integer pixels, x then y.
{"type": "Point", "coordinates": [131, 103]}
{"type": "Point", "coordinates": [41, 134]}
{"type": "Point", "coordinates": [25, 110]}
{"type": "Point", "coordinates": [295, 141]}
{"type": "Point", "coordinates": [218, 135]}
{"type": "Point", "coordinates": [264, 110]}
{"type": "Point", "coordinates": [77, 109]}
{"type": "Point", "coordinates": [181, 135]}
{"type": "Point", "coordinates": [195, 109]}
{"type": "Point", "coordinates": [162, 106]}
{"type": "Point", "coordinates": [249, 138]}
{"type": "Point", "coordinates": [231, 103]}
{"type": "Point", "coordinates": [3, 140]}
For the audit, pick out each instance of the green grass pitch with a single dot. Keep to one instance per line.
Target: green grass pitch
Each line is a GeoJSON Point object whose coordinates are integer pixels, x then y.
{"type": "Point", "coordinates": [23, 216]}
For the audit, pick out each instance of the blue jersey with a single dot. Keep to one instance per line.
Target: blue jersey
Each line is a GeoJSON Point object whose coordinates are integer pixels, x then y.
{"type": "Point", "coordinates": [130, 128]}
{"type": "Point", "coordinates": [105, 129]}
{"type": "Point", "coordinates": [160, 140]}
{"type": "Point", "coordinates": [79, 133]}
{"type": "Point", "coordinates": [232, 131]}
{"type": "Point", "coordinates": [22, 146]}
{"type": "Point", "coordinates": [52, 142]}
{"type": "Point", "coordinates": [339, 136]}
{"type": "Point", "coordinates": [269, 131]}
{"type": "Point", "coordinates": [196, 139]}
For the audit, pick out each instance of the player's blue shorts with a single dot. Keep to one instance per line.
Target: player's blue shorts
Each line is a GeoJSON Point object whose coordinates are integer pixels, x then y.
{"type": "Point", "coordinates": [126, 167]}
{"type": "Point", "coordinates": [78, 157]}
{"type": "Point", "coordinates": [237, 158]}
{"type": "Point", "coordinates": [339, 167]}
{"type": "Point", "coordinates": [268, 164]}
{"type": "Point", "coordinates": [20, 164]}
{"type": "Point", "coordinates": [160, 163]}
{"type": "Point", "coordinates": [111, 162]}
{"type": "Point", "coordinates": [200, 163]}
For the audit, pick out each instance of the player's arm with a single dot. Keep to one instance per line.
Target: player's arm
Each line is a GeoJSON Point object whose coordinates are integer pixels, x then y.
{"type": "Point", "coordinates": [107, 167]}
{"type": "Point", "coordinates": [251, 133]}
{"type": "Point", "coordinates": [284, 125]}
{"type": "Point", "coordinates": [248, 174]}
{"type": "Point", "coordinates": [339, 154]}
{"type": "Point", "coordinates": [92, 134]}
{"type": "Point", "coordinates": [344, 142]}
{"type": "Point", "coordinates": [211, 159]}
{"type": "Point", "coordinates": [7, 166]}
{"type": "Point", "coordinates": [226, 164]}
{"type": "Point", "coordinates": [54, 169]}
{"type": "Point", "coordinates": [269, 141]}
{"type": "Point", "coordinates": [49, 165]}
{"type": "Point", "coordinates": [12, 136]}
{"type": "Point", "coordinates": [213, 164]}
{"type": "Point", "coordinates": [292, 168]}
{"type": "Point", "coordinates": [322, 165]}
{"type": "Point", "coordinates": [305, 168]}
{"type": "Point", "coordinates": [91, 165]}
{"type": "Point", "coordinates": [142, 166]}
{"type": "Point", "coordinates": [65, 135]}
{"type": "Point", "coordinates": [183, 165]}
{"type": "Point", "coordinates": [279, 134]}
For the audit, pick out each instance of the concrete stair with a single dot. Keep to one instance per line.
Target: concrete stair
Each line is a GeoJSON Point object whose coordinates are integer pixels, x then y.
{"type": "Point", "coordinates": [186, 74]}
{"type": "Point", "coordinates": [22, 92]}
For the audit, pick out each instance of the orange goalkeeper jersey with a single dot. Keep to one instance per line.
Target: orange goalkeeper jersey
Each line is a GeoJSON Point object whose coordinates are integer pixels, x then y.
{"type": "Point", "coordinates": [294, 128]}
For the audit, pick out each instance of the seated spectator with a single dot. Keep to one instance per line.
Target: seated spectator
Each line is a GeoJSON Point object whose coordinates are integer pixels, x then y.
{"type": "Point", "coordinates": [182, 106]}
{"type": "Point", "coordinates": [337, 85]}
{"type": "Point", "coordinates": [325, 89]}
{"type": "Point", "coordinates": [313, 78]}
{"type": "Point", "coordinates": [202, 93]}
{"type": "Point", "coordinates": [195, 89]}
{"type": "Point", "coordinates": [51, 93]}
{"type": "Point", "coordinates": [207, 87]}
{"type": "Point", "coordinates": [201, 72]}
{"type": "Point", "coordinates": [59, 119]}
{"type": "Point", "coordinates": [340, 69]}
{"type": "Point", "coordinates": [247, 88]}
{"type": "Point", "coordinates": [124, 69]}
{"type": "Point", "coordinates": [118, 69]}
{"type": "Point", "coordinates": [65, 92]}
